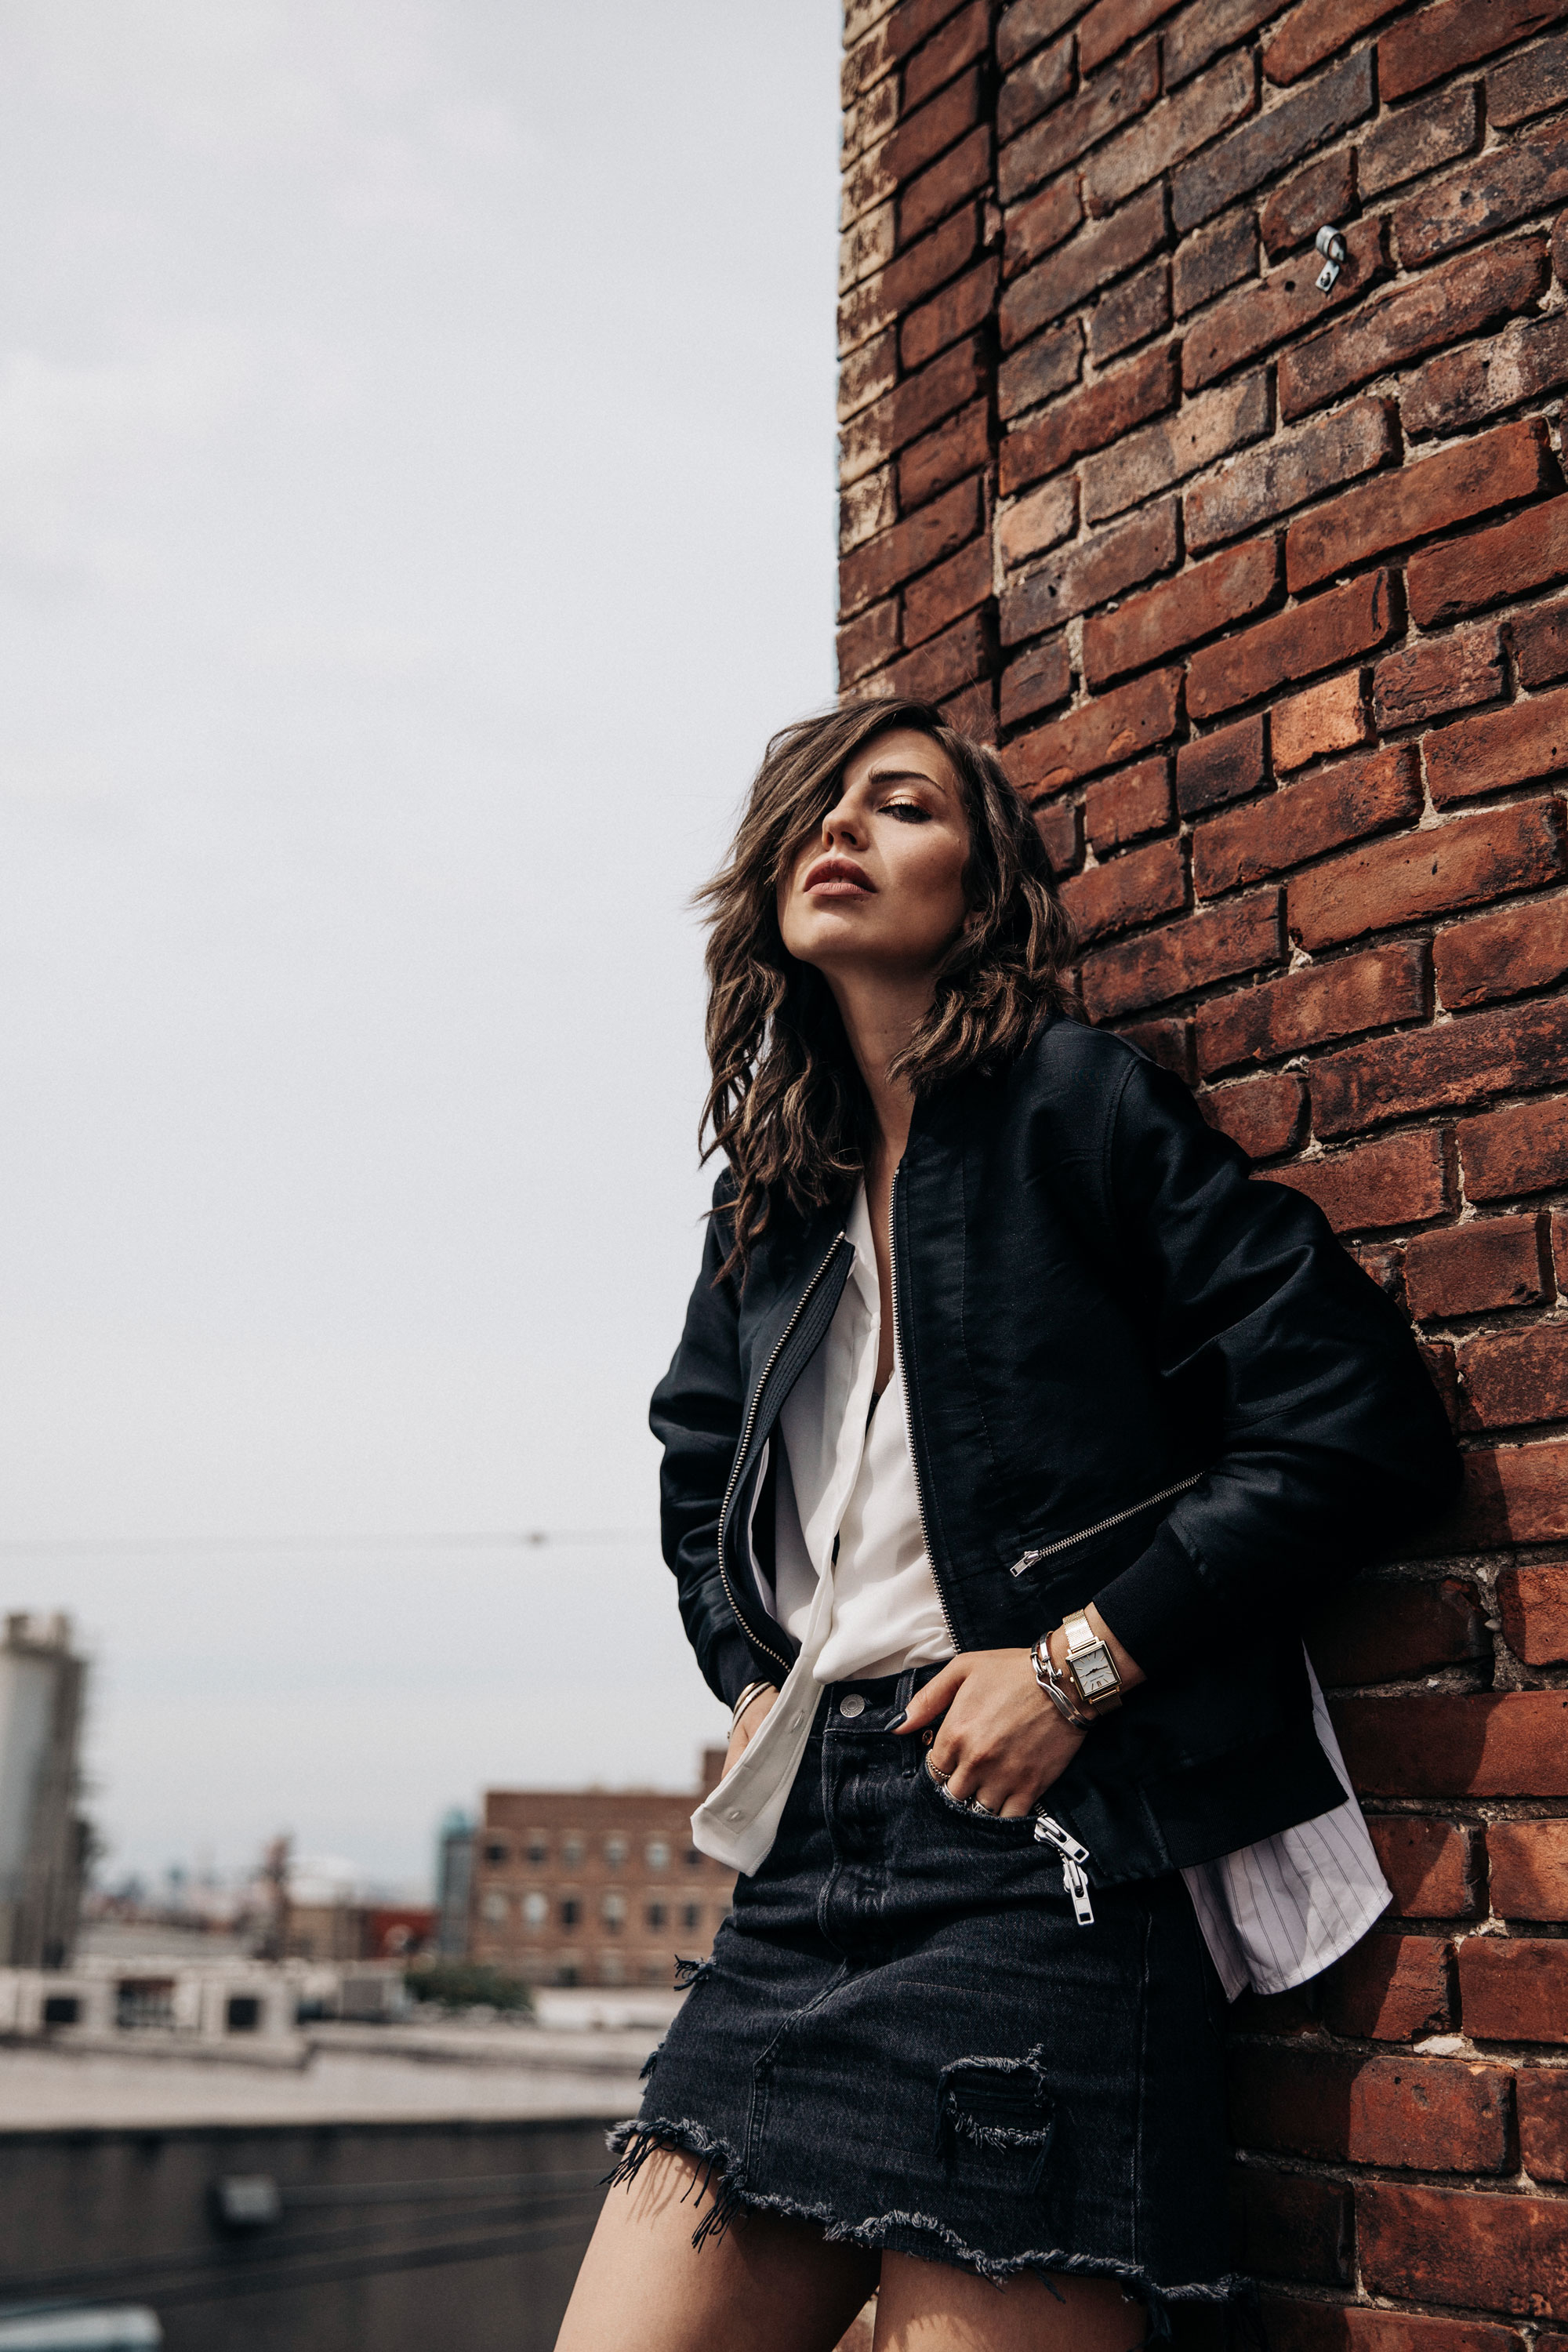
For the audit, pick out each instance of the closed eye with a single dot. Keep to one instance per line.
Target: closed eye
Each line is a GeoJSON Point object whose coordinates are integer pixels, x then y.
{"type": "Point", "coordinates": [907, 812]}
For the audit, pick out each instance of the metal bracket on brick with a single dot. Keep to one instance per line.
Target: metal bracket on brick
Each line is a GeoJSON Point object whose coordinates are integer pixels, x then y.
{"type": "Point", "coordinates": [1331, 245]}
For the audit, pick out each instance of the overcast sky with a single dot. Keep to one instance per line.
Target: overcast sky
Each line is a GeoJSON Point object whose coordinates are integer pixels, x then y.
{"type": "Point", "coordinates": [415, 511]}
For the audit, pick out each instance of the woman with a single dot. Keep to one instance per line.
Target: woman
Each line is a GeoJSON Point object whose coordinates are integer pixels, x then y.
{"type": "Point", "coordinates": [1012, 1433]}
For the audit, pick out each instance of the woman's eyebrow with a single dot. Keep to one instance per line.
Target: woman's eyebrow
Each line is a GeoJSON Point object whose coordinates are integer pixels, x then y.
{"type": "Point", "coordinates": [904, 776]}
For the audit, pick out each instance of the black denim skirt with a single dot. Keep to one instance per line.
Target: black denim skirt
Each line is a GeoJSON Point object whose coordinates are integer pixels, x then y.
{"type": "Point", "coordinates": [906, 2035]}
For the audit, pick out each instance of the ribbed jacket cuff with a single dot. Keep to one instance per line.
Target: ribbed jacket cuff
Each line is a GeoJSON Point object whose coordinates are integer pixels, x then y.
{"type": "Point", "coordinates": [1157, 1608]}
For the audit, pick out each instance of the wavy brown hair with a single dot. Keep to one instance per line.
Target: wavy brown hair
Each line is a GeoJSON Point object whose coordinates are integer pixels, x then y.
{"type": "Point", "coordinates": [787, 1104]}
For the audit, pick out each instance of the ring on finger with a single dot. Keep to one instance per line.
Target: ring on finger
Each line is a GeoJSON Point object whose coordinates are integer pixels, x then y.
{"type": "Point", "coordinates": [988, 1811]}
{"type": "Point", "coordinates": [936, 1772]}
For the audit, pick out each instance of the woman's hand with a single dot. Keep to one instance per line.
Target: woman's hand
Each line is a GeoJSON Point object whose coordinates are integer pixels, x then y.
{"type": "Point", "coordinates": [751, 1723]}
{"type": "Point", "coordinates": [1000, 1737]}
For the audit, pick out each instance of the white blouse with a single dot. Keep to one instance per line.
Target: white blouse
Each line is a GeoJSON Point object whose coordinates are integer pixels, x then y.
{"type": "Point", "coordinates": [855, 1587]}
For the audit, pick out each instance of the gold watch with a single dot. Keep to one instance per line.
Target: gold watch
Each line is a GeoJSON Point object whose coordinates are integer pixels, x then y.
{"type": "Point", "coordinates": [1090, 1666]}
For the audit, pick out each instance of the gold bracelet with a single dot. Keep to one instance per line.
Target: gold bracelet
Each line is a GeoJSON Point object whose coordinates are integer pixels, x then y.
{"type": "Point", "coordinates": [752, 1691]}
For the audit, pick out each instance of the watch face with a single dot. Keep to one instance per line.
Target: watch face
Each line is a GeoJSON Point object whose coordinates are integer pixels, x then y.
{"type": "Point", "coordinates": [1095, 1673]}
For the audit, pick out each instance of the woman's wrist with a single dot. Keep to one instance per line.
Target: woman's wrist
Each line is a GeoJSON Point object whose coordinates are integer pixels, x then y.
{"type": "Point", "coordinates": [753, 1691]}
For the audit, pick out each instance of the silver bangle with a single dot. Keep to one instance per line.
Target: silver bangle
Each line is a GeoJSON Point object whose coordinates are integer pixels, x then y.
{"type": "Point", "coordinates": [1049, 1678]}
{"type": "Point", "coordinates": [752, 1691]}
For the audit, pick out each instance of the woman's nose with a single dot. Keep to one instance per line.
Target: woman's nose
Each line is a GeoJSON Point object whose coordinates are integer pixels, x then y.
{"type": "Point", "coordinates": [840, 826]}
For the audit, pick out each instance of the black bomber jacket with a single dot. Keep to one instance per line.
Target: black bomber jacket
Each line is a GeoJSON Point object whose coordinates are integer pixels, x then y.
{"type": "Point", "coordinates": [1135, 1377]}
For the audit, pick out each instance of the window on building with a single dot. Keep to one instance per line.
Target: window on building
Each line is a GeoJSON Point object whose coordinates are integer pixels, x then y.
{"type": "Point", "coordinates": [693, 1859]}
{"type": "Point", "coordinates": [535, 1908]}
{"type": "Point", "coordinates": [612, 1968]}
{"type": "Point", "coordinates": [242, 2012]}
{"type": "Point", "coordinates": [656, 1914]}
{"type": "Point", "coordinates": [496, 1851]}
{"type": "Point", "coordinates": [493, 1908]}
{"type": "Point", "coordinates": [692, 1915]}
{"type": "Point", "coordinates": [656, 1853]}
{"type": "Point", "coordinates": [613, 1912]}
{"type": "Point", "coordinates": [538, 1847]}
{"type": "Point", "coordinates": [616, 1849]}
{"type": "Point", "coordinates": [573, 1849]}
{"type": "Point", "coordinates": [568, 1973]}
{"type": "Point", "coordinates": [571, 1912]}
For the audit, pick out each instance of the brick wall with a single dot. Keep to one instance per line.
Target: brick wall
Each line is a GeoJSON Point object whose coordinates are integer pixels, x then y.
{"type": "Point", "coordinates": [1254, 587]}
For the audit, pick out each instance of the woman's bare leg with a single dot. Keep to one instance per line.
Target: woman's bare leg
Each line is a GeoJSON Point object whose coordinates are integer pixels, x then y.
{"type": "Point", "coordinates": [935, 2307]}
{"type": "Point", "coordinates": [767, 2284]}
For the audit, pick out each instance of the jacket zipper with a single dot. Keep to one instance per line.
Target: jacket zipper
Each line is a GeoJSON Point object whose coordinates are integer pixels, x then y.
{"type": "Point", "coordinates": [1025, 1560]}
{"type": "Point", "coordinates": [909, 1415]}
{"type": "Point", "coordinates": [747, 1427]}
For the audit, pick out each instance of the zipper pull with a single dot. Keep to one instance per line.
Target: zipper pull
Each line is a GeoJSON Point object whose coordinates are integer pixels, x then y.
{"type": "Point", "coordinates": [1050, 1831]}
{"type": "Point", "coordinates": [1077, 1886]}
{"type": "Point", "coordinates": [1025, 1562]}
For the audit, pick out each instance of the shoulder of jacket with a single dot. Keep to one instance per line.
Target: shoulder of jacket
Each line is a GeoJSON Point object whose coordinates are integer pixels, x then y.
{"type": "Point", "coordinates": [1067, 1056]}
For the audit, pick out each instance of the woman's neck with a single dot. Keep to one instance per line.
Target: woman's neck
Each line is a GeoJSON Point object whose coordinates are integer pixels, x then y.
{"type": "Point", "coordinates": [880, 1013]}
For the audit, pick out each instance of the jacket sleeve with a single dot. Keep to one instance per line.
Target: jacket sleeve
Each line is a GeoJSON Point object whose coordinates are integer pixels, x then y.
{"type": "Point", "coordinates": [1328, 1441]}
{"type": "Point", "coordinates": [696, 1417]}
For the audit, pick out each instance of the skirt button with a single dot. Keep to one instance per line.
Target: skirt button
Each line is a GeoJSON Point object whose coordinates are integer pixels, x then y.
{"type": "Point", "coordinates": [851, 1704]}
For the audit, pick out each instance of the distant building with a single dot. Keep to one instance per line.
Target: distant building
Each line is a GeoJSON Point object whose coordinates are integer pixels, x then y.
{"type": "Point", "coordinates": [594, 1886]}
{"type": "Point", "coordinates": [454, 1884]}
{"type": "Point", "coordinates": [43, 1841]}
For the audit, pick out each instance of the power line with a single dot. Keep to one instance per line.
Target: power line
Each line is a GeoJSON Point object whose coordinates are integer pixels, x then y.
{"type": "Point", "coordinates": [472, 1539]}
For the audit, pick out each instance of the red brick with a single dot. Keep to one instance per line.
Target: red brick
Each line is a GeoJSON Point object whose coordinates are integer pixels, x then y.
{"type": "Point", "coordinates": [887, 295]}
{"type": "Point", "coordinates": [1033, 89]}
{"type": "Point", "coordinates": [1213, 261]}
{"type": "Point", "coordinates": [912, 22]}
{"type": "Point", "coordinates": [1428, 679]}
{"type": "Point", "coordinates": [1417, 138]}
{"type": "Point", "coordinates": [1517, 1494]}
{"type": "Point", "coordinates": [1039, 226]}
{"type": "Point", "coordinates": [1543, 2125]}
{"type": "Point", "coordinates": [1285, 300]}
{"type": "Point", "coordinates": [1490, 192]}
{"type": "Point", "coordinates": [865, 250]}
{"type": "Point", "coordinates": [1508, 1378]}
{"type": "Point", "coordinates": [942, 664]}
{"type": "Point", "coordinates": [1040, 521]}
{"type": "Point", "coordinates": [957, 586]}
{"type": "Point", "coordinates": [929, 533]}
{"type": "Point", "coordinates": [1288, 470]}
{"type": "Point", "coordinates": [1170, 132]}
{"type": "Point", "coordinates": [1164, 619]}
{"type": "Point", "coordinates": [1459, 388]}
{"type": "Point", "coordinates": [1293, 215]}
{"type": "Point", "coordinates": [1447, 1068]}
{"type": "Point", "coordinates": [957, 44]}
{"type": "Point", "coordinates": [1433, 494]}
{"type": "Point", "coordinates": [1101, 734]}
{"type": "Point", "coordinates": [1144, 463]}
{"type": "Point", "coordinates": [1278, 138]}
{"type": "Point", "coordinates": [1102, 106]}
{"type": "Point", "coordinates": [1102, 411]}
{"type": "Point", "coordinates": [869, 642]}
{"type": "Point", "coordinates": [1504, 2253]}
{"type": "Point", "coordinates": [1111, 23]}
{"type": "Point", "coordinates": [1288, 2225]}
{"type": "Point", "coordinates": [1466, 1269]}
{"type": "Point", "coordinates": [955, 312]}
{"type": "Point", "coordinates": [1457, 1744]}
{"type": "Point", "coordinates": [1534, 1603]}
{"type": "Point", "coordinates": [1124, 806]}
{"type": "Point", "coordinates": [965, 171]}
{"type": "Point", "coordinates": [1515, 1990]}
{"type": "Point", "coordinates": [1350, 2327]}
{"type": "Point", "coordinates": [1326, 717]}
{"type": "Point", "coordinates": [1308, 1008]}
{"type": "Point", "coordinates": [1523, 1148]}
{"type": "Point", "coordinates": [1438, 41]}
{"type": "Point", "coordinates": [901, 415]}
{"type": "Point", "coordinates": [1421, 2113]}
{"type": "Point", "coordinates": [1204, 28]}
{"type": "Point", "coordinates": [1028, 23]}
{"type": "Point", "coordinates": [1541, 644]}
{"type": "Point", "coordinates": [1389, 1988]}
{"type": "Point", "coordinates": [1464, 296]}
{"type": "Point", "coordinates": [1314, 31]}
{"type": "Point", "coordinates": [1051, 363]}
{"type": "Point", "coordinates": [1399, 1181]}
{"type": "Point", "coordinates": [1506, 561]}
{"type": "Point", "coordinates": [1528, 85]}
{"type": "Point", "coordinates": [868, 507]}
{"type": "Point", "coordinates": [1169, 1042]}
{"type": "Point", "coordinates": [1057, 824]}
{"type": "Point", "coordinates": [1089, 573]}
{"type": "Point", "coordinates": [1213, 945]}
{"type": "Point", "coordinates": [1302, 821]}
{"type": "Point", "coordinates": [1330, 629]}
{"type": "Point", "coordinates": [867, 374]}
{"type": "Point", "coordinates": [1528, 1868]}
{"type": "Point", "coordinates": [1102, 251]}
{"type": "Point", "coordinates": [1131, 313]}
{"type": "Point", "coordinates": [1263, 1115]}
{"type": "Point", "coordinates": [1429, 1864]}
{"type": "Point", "coordinates": [1501, 955]}
{"type": "Point", "coordinates": [958, 448]}
{"type": "Point", "coordinates": [1223, 766]}
{"type": "Point", "coordinates": [1035, 681]}
{"type": "Point", "coordinates": [921, 136]}
{"type": "Point", "coordinates": [1379, 1632]}
{"type": "Point", "coordinates": [1430, 872]}
{"type": "Point", "coordinates": [1126, 890]}
{"type": "Point", "coordinates": [1520, 744]}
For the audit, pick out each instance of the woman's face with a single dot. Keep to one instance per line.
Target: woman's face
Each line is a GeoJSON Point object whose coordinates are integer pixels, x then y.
{"type": "Point", "coordinates": [880, 883]}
